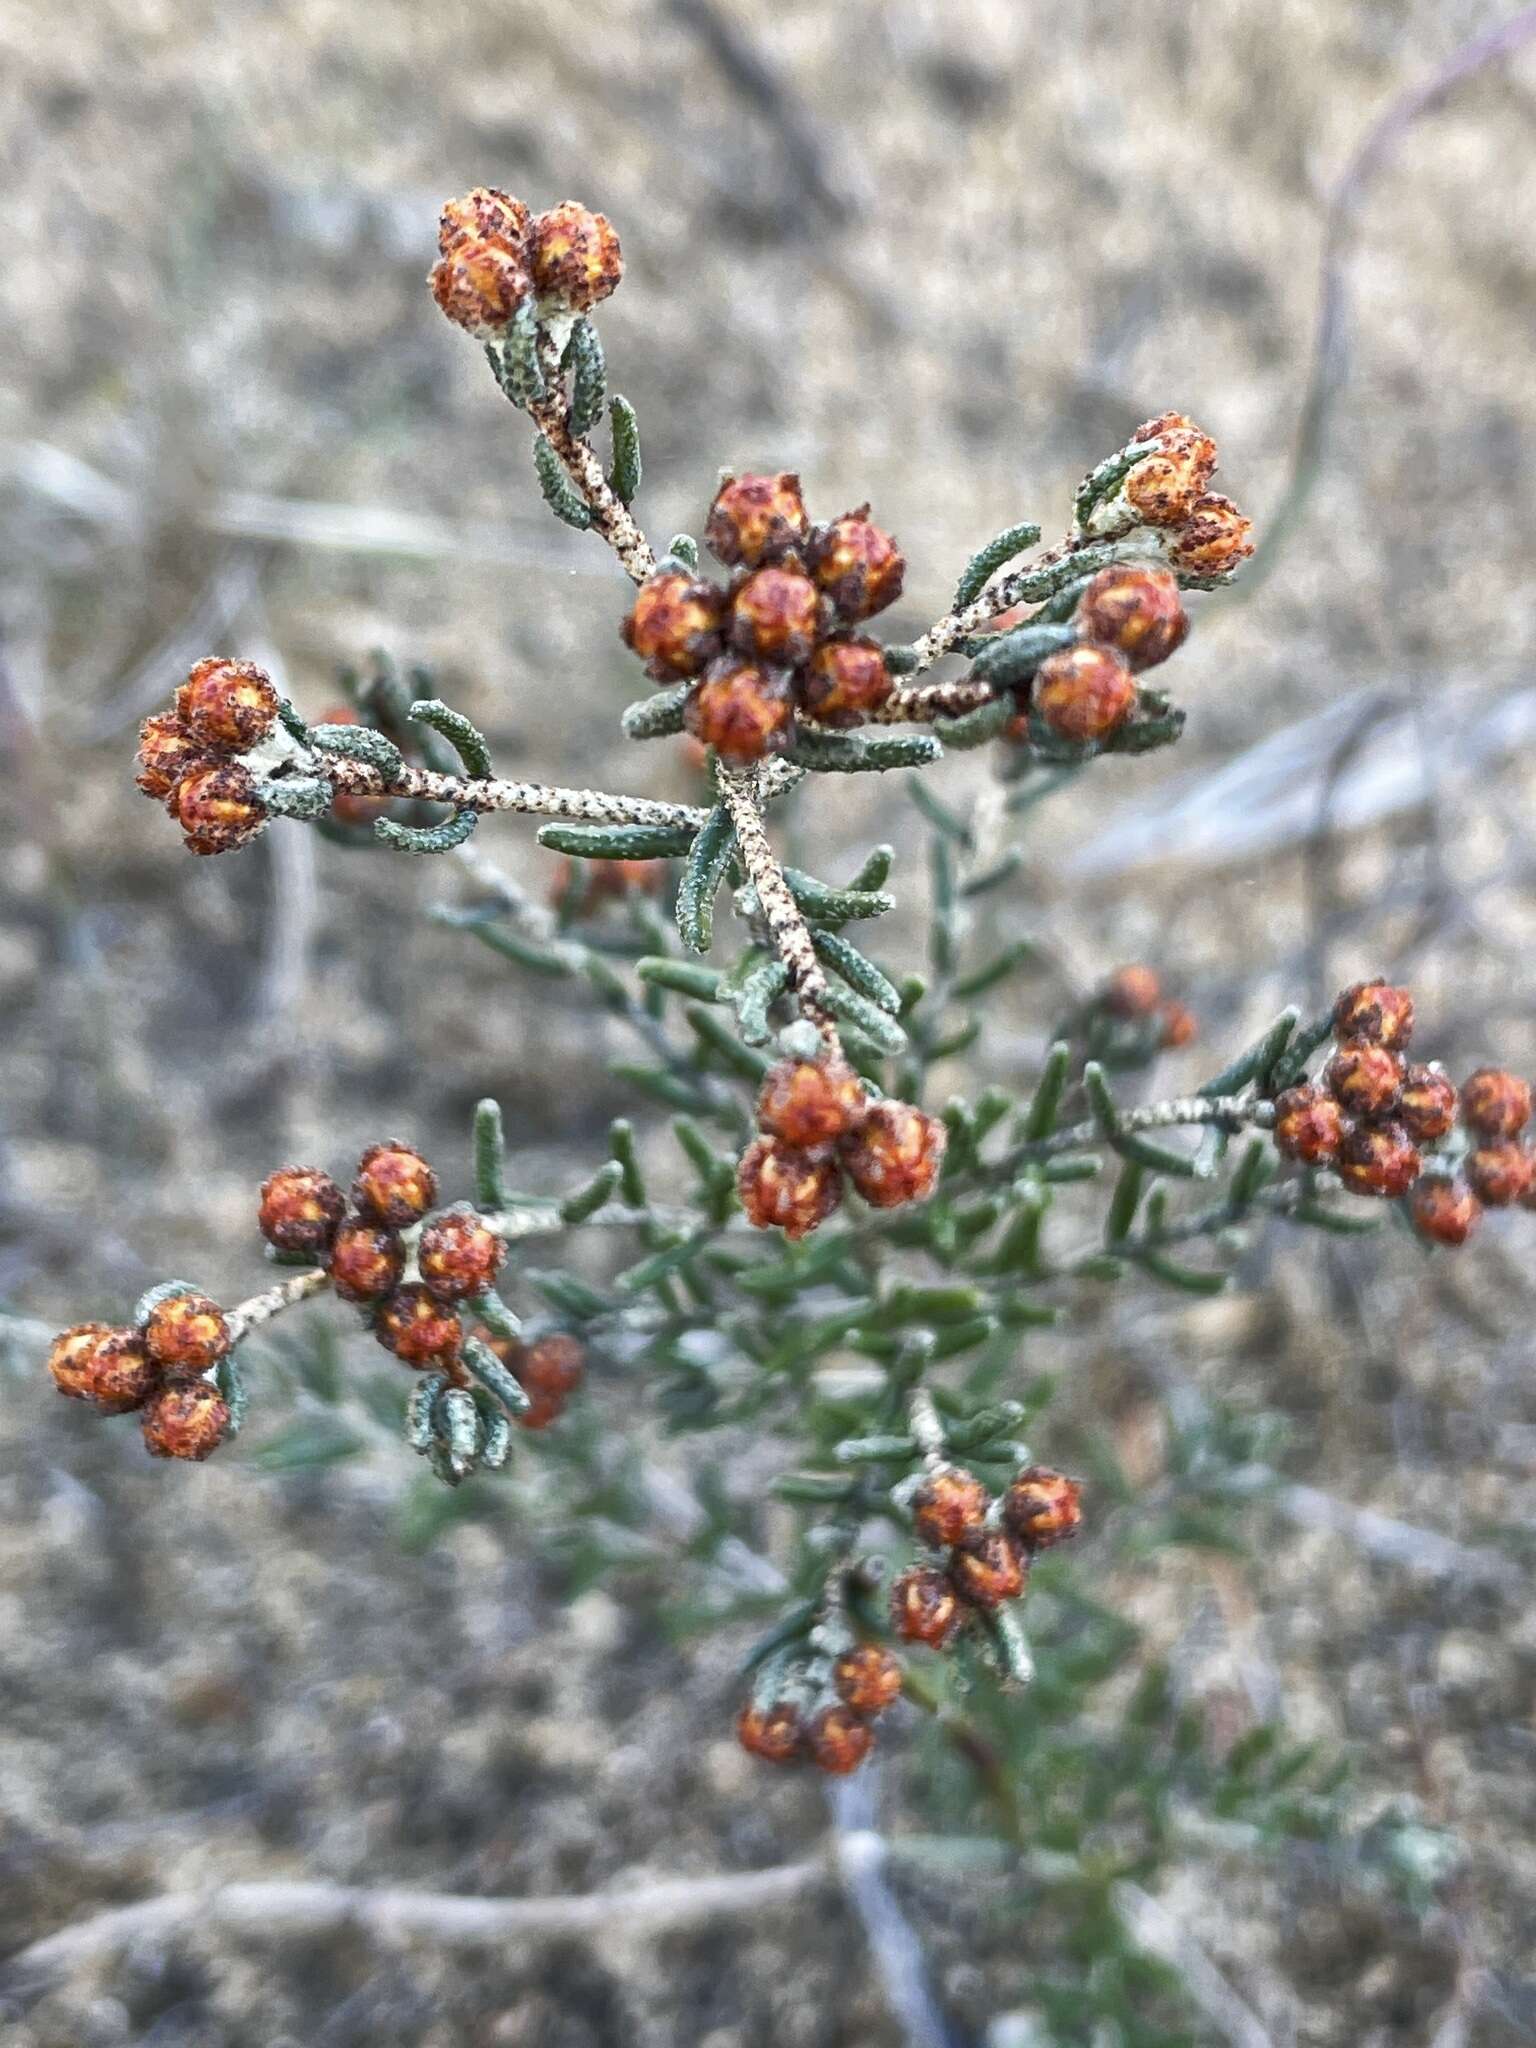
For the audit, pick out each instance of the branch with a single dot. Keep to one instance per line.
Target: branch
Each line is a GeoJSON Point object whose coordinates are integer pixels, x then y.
{"type": "Point", "coordinates": [929, 701]}
{"type": "Point", "coordinates": [611, 518]}
{"type": "Point", "coordinates": [354, 777]}
{"type": "Point", "coordinates": [280, 1907]}
{"type": "Point", "coordinates": [791, 936]}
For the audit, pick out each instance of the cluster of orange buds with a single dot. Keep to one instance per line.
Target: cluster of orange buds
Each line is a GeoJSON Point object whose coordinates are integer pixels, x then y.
{"type": "Point", "coordinates": [163, 1366]}
{"type": "Point", "coordinates": [549, 1370]}
{"type": "Point", "coordinates": [1374, 1115]}
{"type": "Point", "coordinates": [819, 1128]}
{"type": "Point", "coordinates": [191, 758]}
{"type": "Point", "coordinates": [494, 253]}
{"type": "Point", "coordinates": [1130, 617]}
{"type": "Point", "coordinates": [779, 641]}
{"type": "Point", "coordinates": [1203, 533]}
{"type": "Point", "coordinates": [983, 1546]}
{"type": "Point", "coordinates": [821, 1709]}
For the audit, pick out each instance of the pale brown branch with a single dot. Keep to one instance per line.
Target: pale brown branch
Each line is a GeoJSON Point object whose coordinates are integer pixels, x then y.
{"type": "Point", "coordinates": [786, 926]}
{"type": "Point", "coordinates": [611, 517]}
{"type": "Point", "coordinates": [481, 793]}
{"type": "Point", "coordinates": [928, 701]}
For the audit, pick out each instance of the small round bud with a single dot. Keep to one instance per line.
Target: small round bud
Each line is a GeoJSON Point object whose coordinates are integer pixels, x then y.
{"type": "Point", "coordinates": [838, 1740]}
{"type": "Point", "coordinates": [479, 285]}
{"type": "Point", "coordinates": [1084, 694]}
{"type": "Point", "coordinates": [109, 1368]}
{"type": "Point", "coordinates": [1496, 1103]}
{"type": "Point", "coordinates": [1137, 611]}
{"type": "Point", "coordinates": [867, 1678]}
{"type": "Point", "coordinates": [775, 1733]}
{"type": "Point", "coordinates": [227, 703]}
{"type": "Point", "coordinates": [742, 711]}
{"type": "Point", "coordinates": [1426, 1104]}
{"type": "Point", "coordinates": [1376, 1011]}
{"type": "Point", "coordinates": [417, 1327]}
{"type": "Point", "coordinates": [366, 1260]}
{"type": "Point", "coordinates": [756, 518]}
{"type": "Point", "coordinates": [1378, 1159]}
{"type": "Point", "coordinates": [300, 1209]}
{"type": "Point", "coordinates": [674, 625]}
{"type": "Point", "coordinates": [554, 1365]}
{"type": "Point", "coordinates": [1309, 1126]}
{"type": "Point", "coordinates": [807, 1103]}
{"type": "Point", "coordinates": [1501, 1171]}
{"type": "Point", "coordinates": [1364, 1079]}
{"type": "Point", "coordinates": [1042, 1507]}
{"type": "Point", "coordinates": [845, 680]}
{"type": "Point", "coordinates": [575, 255]}
{"type": "Point", "coordinates": [186, 1419]}
{"type": "Point", "coordinates": [542, 1410]}
{"type": "Point", "coordinates": [458, 1255]}
{"type": "Point", "coordinates": [774, 615]}
{"type": "Point", "coordinates": [186, 1333]}
{"type": "Point", "coordinates": [218, 808]}
{"type": "Point", "coordinates": [484, 215]}
{"type": "Point", "coordinates": [857, 565]}
{"type": "Point", "coordinates": [925, 1608]}
{"type": "Point", "coordinates": [1132, 993]}
{"type": "Point", "coordinates": [896, 1154]}
{"type": "Point", "coordinates": [167, 754]}
{"type": "Point", "coordinates": [779, 1185]}
{"type": "Point", "coordinates": [1163, 489]}
{"type": "Point", "coordinates": [991, 1571]}
{"type": "Point", "coordinates": [1214, 538]}
{"type": "Point", "coordinates": [950, 1507]}
{"type": "Point", "coordinates": [1180, 1026]}
{"type": "Point", "coordinates": [1444, 1210]}
{"type": "Point", "coordinates": [394, 1184]}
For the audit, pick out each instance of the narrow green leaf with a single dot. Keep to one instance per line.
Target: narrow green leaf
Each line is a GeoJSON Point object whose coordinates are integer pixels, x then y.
{"type": "Point", "coordinates": [522, 376]}
{"type": "Point", "coordinates": [496, 1378]}
{"type": "Point", "coordinates": [986, 562]}
{"type": "Point", "coordinates": [467, 741]}
{"type": "Point", "coordinates": [716, 1034]}
{"type": "Point", "coordinates": [427, 838]}
{"type": "Point", "coordinates": [703, 873]}
{"type": "Point", "coordinates": [589, 377]}
{"type": "Point", "coordinates": [860, 974]}
{"type": "Point", "coordinates": [1045, 1105]}
{"type": "Point", "coordinates": [624, 475]}
{"type": "Point", "coordinates": [852, 1008]}
{"type": "Point", "coordinates": [756, 998]}
{"type": "Point", "coordinates": [490, 1154]}
{"type": "Point", "coordinates": [848, 753]}
{"type": "Point", "coordinates": [560, 494]}
{"type": "Point", "coordinates": [359, 743]}
{"type": "Point", "coordinates": [1008, 962]}
{"type": "Point", "coordinates": [825, 905]}
{"type": "Point", "coordinates": [658, 716]}
{"type": "Point", "coordinates": [618, 842]}
{"type": "Point", "coordinates": [594, 1194]}
{"type": "Point", "coordinates": [683, 977]}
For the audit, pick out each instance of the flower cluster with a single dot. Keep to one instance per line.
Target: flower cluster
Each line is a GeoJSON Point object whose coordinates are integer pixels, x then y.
{"type": "Point", "coordinates": [161, 1365]}
{"type": "Point", "coordinates": [981, 1548]}
{"type": "Point", "coordinates": [1169, 461]}
{"type": "Point", "coordinates": [819, 1128]}
{"type": "Point", "coordinates": [1373, 1116]}
{"type": "Point", "coordinates": [778, 642]}
{"type": "Point", "coordinates": [495, 254]}
{"type": "Point", "coordinates": [190, 758]}
{"type": "Point", "coordinates": [821, 1708]}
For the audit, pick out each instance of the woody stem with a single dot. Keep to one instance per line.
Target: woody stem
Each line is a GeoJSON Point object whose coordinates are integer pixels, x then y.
{"type": "Point", "coordinates": [611, 517]}
{"type": "Point", "coordinates": [486, 793]}
{"type": "Point", "coordinates": [739, 790]}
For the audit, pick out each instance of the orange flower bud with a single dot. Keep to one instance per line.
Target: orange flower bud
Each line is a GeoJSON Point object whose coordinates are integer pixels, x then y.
{"type": "Point", "coordinates": [1378, 1159]}
{"type": "Point", "coordinates": [1426, 1104]}
{"type": "Point", "coordinates": [1137, 611]}
{"type": "Point", "coordinates": [1180, 1026]}
{"type": "Point", "coordinates": [742, 711]}
{"type": "Point", "coordinates": [218, 808]}
{"type": "Point", "coordinates": [366, 1260]}
{"type": "Point", "coordinates": [479, 285]}
{"type": "Point", "coordinates": [394, 1184]}
{"type": "Point", "coordinates": [896, 1154]}
{"type": "Point", "coordinates": [1309, 1126]}
{"type": "Point", "coordinates": [808, 1103]}
{"type": "Point", "coordinates": [1132, 993]}
{"type": "Point", "coordinates": [857, 564]}
{"type": "Point", "coordinates": [417, 1327]}
{"type": "Point", "coordinates": [186, 1332]}
{"type": "Point", "coordinates": [109, 1368]}
{"type": "Point", "coordinates": [576, 256]}
{"type": "Point", "coordinates": [484, 215]}
{"type": "Point", "coordinates": [774, 615]}
{"type": "Point", "coordinates": [779, 1185]}
{"type": "Point", "coordinates": [1444, 1210]}
{"type": "Point", "coordinates": [1501, 1171]}
{"type": "Point", "coordinates": [227, 703]}
{"type": "Point", "coordinates": [1214, 538]}
{"type": "Point", "coordinates": [459, 1255]}
{"type": "Point", "coordinates": [950, 1507]}
{"type": "Point", "coordinates": [167, 754]}
{"type": "Point", "coordinates": [300, 1209]}
{"type": "Point", "coordinates": [1375, 1011]}
{"type": "Point", "coordinates": [1042, 1507]}
{"type": "Point", "coordinates": [1364, 1079]}
{"type": "Point", "coordinates": [845, 680]}
{"type": "Point", "coordinates": [867, 1678]}
{"type": "Point", "coordinates": [186, 1419]}
{"type": "Point", "coordinates": [775, 1733]}
{"type": "Point", "coordinates": [553, 1367]}
{"type": "Point", "coordinates": [839, 1741]}
{"type": "Point", "coordinates": [1164, 489]}
{"type": "Point", "coordinates": [1496, 1103]}
{"type": "Point", "coordinates": [991, 1571]}
{"type": "Point", "coordinates": [755, 518]}
{"type": "Point", "coordinates": [1084, 694]}
{"type": "Point", "coordinates": [674, 625]}
{"type": "Point", "coordinates": [925, 1608]}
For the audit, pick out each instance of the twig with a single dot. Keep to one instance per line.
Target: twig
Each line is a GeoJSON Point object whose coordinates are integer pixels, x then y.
{"type": "Point", "coordinates": [261, 1308]}
{"type": "Point", "coordinates": [480, 793]}
{"type": "Point", "coordinates": [1225, 1111]}
{"type": "Point", "coordinates": [279, 1907]}
{"type": "Point", "coordinates": [610, 516]}
{"type": "Point", "coordinates": [929, 701]}
{"type": "Point", "coordinates": [791, 936]}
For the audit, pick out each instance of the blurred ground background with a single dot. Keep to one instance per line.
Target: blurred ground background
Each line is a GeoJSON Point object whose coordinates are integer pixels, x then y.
{"type": "Point", "coordinates": [939, 253]}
